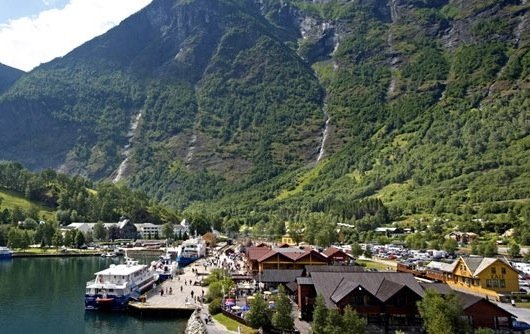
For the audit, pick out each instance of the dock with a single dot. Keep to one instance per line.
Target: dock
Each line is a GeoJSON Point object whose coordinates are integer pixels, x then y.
{"type": "Point", "coordinates": [177, 299]}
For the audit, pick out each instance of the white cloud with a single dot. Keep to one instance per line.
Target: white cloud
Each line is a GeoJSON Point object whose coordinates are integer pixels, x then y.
{"type": "Point", "coordinates": [30, 41]}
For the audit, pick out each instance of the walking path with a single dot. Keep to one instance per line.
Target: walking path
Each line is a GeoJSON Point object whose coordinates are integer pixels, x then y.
{"type": "Point", "coordinates": [182, 294]}
{"type": "Point", "coordinates": [179, 293]}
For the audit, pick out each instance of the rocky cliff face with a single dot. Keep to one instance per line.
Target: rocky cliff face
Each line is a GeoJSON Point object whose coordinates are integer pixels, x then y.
{"type": "Point", "coordinates": [240, 95]}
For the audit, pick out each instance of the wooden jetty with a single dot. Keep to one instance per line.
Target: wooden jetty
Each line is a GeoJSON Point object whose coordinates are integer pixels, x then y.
{"type": "Point", "coordinates": [174, 297]}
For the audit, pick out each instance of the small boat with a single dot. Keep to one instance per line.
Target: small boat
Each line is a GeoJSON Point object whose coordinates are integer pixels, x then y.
{"type": "Point", "coordinates": [114, 287]}
{"type": "Point", "coordinates": [5, 253]}
{"type": "Point", "coordinates": [165, 267]}
{"type": "Point", "coordinates": [190, 251]}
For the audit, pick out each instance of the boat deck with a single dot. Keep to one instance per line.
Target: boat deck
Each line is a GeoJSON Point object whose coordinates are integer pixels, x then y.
{"type": "Point", "coordinates": [175, 303]}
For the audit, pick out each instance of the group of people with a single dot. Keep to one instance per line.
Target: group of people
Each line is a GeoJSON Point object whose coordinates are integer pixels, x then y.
{"type": "Point", "coordinates": [168, 291]}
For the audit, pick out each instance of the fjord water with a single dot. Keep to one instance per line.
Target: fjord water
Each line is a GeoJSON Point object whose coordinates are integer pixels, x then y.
{"type": "Point", "coordinates": [46, 296]}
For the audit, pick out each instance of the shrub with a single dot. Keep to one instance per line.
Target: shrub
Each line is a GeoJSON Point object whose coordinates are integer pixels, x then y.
{"type": "Point", "coordinates": [215, 306]}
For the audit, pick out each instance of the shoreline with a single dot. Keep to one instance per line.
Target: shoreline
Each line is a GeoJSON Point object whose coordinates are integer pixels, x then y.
{"type": "Point", "coordinates": [22, 254]}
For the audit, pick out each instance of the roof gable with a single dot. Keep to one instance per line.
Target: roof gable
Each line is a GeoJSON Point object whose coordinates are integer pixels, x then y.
{"type": "Point", "coordinates": [313, 253]}
{"type": "Point", "coordinates": [387, 289]}
{"type": "Point", "coordinates": [335, 286]}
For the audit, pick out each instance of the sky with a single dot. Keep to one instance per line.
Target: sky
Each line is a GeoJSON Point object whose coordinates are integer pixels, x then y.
{"type": "Point", "coordinates": [36, 31]}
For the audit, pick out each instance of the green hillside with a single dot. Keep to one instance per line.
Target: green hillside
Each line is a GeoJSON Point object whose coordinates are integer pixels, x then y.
{"type": "Point", "coordinates": [12, 200]}
{"type": "Point", "coordinates": [8, 76]}
{"type": "Point", "coordinates": [360, 112]}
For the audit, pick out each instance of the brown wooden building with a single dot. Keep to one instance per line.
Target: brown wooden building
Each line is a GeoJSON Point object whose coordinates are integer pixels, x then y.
{"type": "Point", "coordinates": [386, 299]}
{"type": "Point", "coordinates": [337, 256]}
{"type": "Point", "coordinates": [262, 258]}
{"type": "Point", "coordinates": [481, 312]}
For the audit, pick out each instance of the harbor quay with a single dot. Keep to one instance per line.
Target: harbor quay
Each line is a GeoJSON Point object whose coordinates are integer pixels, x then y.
{"type": "Point", "coordinates": [176, 297]}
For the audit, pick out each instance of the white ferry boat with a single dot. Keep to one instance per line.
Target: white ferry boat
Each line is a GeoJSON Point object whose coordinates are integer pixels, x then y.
{"type": "Point", "coordinates": [114, 287]}
{"type": "Point", "coordinates": [190, 251]}
{"type": "Point", "coordinates": [5, 253]}
{"type": "Point", "coordinates": [165, 267]}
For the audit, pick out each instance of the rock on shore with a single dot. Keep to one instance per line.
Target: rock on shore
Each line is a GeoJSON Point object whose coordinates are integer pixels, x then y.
{"type": "Point", "coordinates": [195, 324]}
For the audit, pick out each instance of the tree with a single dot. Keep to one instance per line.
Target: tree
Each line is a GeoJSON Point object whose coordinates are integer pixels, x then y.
{"type": "Point", "coordinates": [114, 232]}
{"type": "Point", "coordinates": [352, 323]}
{"type": "Point", "coordinates": [168, 231]}
{"type": "Point", "coordinates": [334, 323]}
{"type": "Point", "coordinates": [58, 239]}
{"type": "Point", "coordinates": [99, 231]}
{"type": "Point", "coordinates": [514, 250]}
{"type": "Point", "coordinates": [320, 315]}
{"type": "Point", "coordinates": [258, 316]}
{"type": "Point", "coordinates": [282, 317]}
{"type": "Point", "coordinates": [69, 237]}
{"type": "Point", "coordinates": [25, 241]}
{"type": "Point", "coordinates": [79, 239]}
{"type": "Point", "coordinates": [450, 245]}
{"type": "Point", "coordinates": [14, 238]}
{"type": "Point", "coordinates": [356, 249]}
{"type": "Point", "coordinates": [442, 315]}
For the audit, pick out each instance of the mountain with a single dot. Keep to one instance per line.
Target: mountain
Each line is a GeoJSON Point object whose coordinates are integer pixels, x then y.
{"type": "Point", "coordinates": [362, 111]}
{"type": "Point", "coordinates": [8, 75]}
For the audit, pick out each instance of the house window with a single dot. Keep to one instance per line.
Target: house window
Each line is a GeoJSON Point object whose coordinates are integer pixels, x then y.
{"type": "Point", "coordinates": [488, 283]}
{"type": "Point", "coordinates": [503, 283]}
{"type": "Point", "coordinates": [503, 271]}
{"type": "Point", "coordinates": [493, 270]}
{"type": "Point", "coordinates": [357, 300]}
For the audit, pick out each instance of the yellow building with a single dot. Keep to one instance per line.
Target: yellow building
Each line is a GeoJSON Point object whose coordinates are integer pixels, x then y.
{"type": "Point", "coordinates": [481, 275]}
{"type": "Point", "coordinates": [288, 240]}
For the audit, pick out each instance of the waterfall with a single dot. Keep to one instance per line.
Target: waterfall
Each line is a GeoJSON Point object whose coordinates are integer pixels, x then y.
{"type": "Point", "coordinates": [121, 171]}
{"type": "Point", "coordinates": [325, 133]}
{"type": "Point", "coordinates": [191, 148]}
{"type": "Point", "coordinates": [390, 41]}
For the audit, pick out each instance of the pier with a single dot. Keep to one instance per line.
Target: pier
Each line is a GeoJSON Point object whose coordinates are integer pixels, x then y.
{"type": "Point", "coordinates": [176, 298]}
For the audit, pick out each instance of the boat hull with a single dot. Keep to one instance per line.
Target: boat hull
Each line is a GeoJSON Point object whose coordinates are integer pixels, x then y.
{"type": "Point", "coordinates": [184, 261]}
{"type": "Point", "coordinates": [6, 256]}
{"type": "Point", "coordinates": [106, 303]}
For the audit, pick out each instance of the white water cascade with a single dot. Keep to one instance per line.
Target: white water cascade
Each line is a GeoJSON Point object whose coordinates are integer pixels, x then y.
{"type": "Point", "coordinates": [191, 149]}
{"type": "Point", "coordinates": [390, 41]}
{"type": "Point", "coordinates": [325, 134]}
{"type": "Point", "coordinates": [120, 173]}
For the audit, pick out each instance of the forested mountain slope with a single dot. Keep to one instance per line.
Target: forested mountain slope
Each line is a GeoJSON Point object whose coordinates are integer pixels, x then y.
{"type": "Point", "coordinates": [295, 108]}
{"type": "Point", "coordinates": [8, 75]}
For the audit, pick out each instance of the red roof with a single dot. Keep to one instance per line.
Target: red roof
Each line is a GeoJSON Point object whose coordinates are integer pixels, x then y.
{"type": "Point", "coordinates": [254, 253]}
{"type": "Point", "coordinates": [331, 251]}
{"type": "Point", "coordinates": [294, 254]}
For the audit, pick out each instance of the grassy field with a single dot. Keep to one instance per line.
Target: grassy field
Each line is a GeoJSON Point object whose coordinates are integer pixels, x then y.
{"type": "Point", "coordinates": [12, 199]}
{"type": "Point", "coordinates": [372, 265]}
{"type": "Point", "coordinates": [232, 325]}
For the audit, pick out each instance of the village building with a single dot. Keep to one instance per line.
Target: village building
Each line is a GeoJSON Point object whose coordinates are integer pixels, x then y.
{"type": "Point", "coordinates": [272, 278]}
{"type": "Point", "coordinates": [336, 255]}
{"type": "Point", "coordinates": [149, 231]}
{"type": "Point", "coordinates": [481, 312]}
{"type": "Point", "coordinates": [262, 257]}
{"type": "Point", "coordinates": [386, 299]}
{"type": "Point", "coordinates": [485, 276]}
{"type": "Point", "coordinates": [463, 238]}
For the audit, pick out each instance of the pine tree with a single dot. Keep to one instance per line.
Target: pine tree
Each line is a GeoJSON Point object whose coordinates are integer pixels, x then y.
{"type": "Point", "coordinates": [283, 318]}
{"type": "Point", "coordinates": [352, 323]}
{"type": "Point", "coordinates": [334, 323]}
{"type": "Point", "coordinates": [258, 316]}
{"type": "Point", "coordinates": [442, 314]}
{"type": "Point", "coordinates": [320, 315]}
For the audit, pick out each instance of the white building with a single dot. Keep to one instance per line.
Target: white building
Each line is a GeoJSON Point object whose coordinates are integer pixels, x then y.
{"type": "Point", "coordinates": [149, 231]}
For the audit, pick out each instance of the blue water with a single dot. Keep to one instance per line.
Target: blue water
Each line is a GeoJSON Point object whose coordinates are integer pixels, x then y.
{"type": "Point", "coordinates": [46, 296]}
